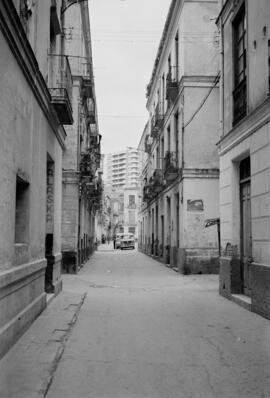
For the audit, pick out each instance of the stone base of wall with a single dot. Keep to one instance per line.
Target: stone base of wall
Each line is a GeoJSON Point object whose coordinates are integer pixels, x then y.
{"type": "Point", "coordinates": [260, 292]}
{"type": "Point", "coordinates": [70, 262]}
{"type": "Point", "coordinates": [57, 281]}
{"type": "Point", "coordinates": [188, 261]}
{"type": "Point", "coordinates": [230, 283]}
{"type": "Point", "coordinates": [22, 299]}
{"type": "Point", "coordinates": [229, 276]}
{"type": "Point", "coordinates": [198, 261]}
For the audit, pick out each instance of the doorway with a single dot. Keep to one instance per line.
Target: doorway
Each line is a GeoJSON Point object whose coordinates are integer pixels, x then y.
{"type": "Point", "coordinates": [245, 226]}
{"type": "Point", "coordinates": [49, 287]}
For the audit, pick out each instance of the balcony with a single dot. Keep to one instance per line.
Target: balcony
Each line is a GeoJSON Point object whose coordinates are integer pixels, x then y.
{"type": "Point", "coordinates": [88, 164]}
{"type": "Point", "coordinates": [157, 181]}
{"type": "Point", "coordinates": [148, 144]}
{"type": "Point", "coordinates": [95, 140]}
{"type": "Point", "coordinates": [132, 206]}
{"type": "Point", "coordinates": [90, 111]}
{"type": "Point", "coordinates": [93, 191]}
{"type": "Point", "coordinates": [171, 169]}
{"type": "Point", "coordinates": [157, 120]}
{"type": "Point", "coordinates": [240, 102]}
{"type": "Point", "coordinates": [147, 194]}
{"type": "Point", "coordinates": [172, 84]}
{"type": "Point", "coordinates": [60, 87]}
{"type": "Point", "coordinates": [95, 148]}
{"type": "Point", "coordinates": [87, 87]}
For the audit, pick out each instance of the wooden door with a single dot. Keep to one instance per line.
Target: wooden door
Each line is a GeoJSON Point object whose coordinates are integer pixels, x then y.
{"type": "Point", "coordinates": [246, 238]}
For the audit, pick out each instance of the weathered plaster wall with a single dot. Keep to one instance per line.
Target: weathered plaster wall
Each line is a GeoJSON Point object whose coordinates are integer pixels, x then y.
{"type": "Point", "coordinates": [193, 234]}
{"type": "Point", "coordinates": [201, 38]}
{"type": "Point", "coordinates": [201, 135]}
{"type": "Point", "coordinates": [26, 139]}
{"type": "Point", "coordinates": [23, 150]}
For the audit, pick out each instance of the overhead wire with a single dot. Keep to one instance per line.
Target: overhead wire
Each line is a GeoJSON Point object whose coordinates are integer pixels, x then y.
{"type": "Point", "coordinates": [217, 78]}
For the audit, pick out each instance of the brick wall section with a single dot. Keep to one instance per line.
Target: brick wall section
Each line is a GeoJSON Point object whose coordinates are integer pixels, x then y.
{"type": "Point", "coordinates": [260, 292]}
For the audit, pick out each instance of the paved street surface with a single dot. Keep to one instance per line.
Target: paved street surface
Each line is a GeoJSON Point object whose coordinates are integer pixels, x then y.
{"type": "Point", "coordinates": [142, 330]}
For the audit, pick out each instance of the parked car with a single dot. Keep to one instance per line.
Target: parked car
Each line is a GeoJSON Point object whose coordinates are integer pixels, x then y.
{"type": "Point", "coordinates": [127, 242]}
{"type": "Point", "coordinates": [118, 240]}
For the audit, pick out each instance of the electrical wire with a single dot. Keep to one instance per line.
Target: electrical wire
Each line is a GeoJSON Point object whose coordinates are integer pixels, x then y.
{"type": "Point", "coordinates": [217, 78]}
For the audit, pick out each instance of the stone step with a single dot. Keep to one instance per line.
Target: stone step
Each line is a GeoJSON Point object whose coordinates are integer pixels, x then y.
{"type": "Point", "coordinates": [242, 300]}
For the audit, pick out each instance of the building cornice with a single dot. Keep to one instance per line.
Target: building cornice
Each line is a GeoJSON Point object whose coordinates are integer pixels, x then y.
{"type": "Point", "coordinates": [251, 123]}
{"type": "Point", "coordinates": [228, 7]}
{"type": "Point", "coordinates": [16, 38]}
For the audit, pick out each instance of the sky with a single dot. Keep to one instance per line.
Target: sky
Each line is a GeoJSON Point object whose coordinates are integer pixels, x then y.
{"type": "Point", "coordinates": [125, 39]}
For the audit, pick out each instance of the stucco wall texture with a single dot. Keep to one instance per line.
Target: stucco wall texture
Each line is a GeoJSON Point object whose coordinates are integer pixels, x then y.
{"type": "Point", "coordinates": [27, 139]}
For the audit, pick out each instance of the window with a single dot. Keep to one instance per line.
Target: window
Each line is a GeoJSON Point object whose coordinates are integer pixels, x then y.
{"type": "Point", "coordinates": [240, 66]}
{"type": "Point", "coordinates": [22, 211]}
{"type": "Point", "coordinates": [168, 139]}
{"type": "Point", "coordinates": [162, 147]}
{"type": "Point", "coordinates": [163, 92]}
{"type": "Point", "coordinates": [176, 136]}
{"type": "Point", "coordinates": [176, 49]}
{"type": "Point", "coordinates": [131, 200]}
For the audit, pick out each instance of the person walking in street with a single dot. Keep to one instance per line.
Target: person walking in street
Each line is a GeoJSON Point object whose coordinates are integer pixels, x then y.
{"type": "Point", "coordinates": [114, 241]}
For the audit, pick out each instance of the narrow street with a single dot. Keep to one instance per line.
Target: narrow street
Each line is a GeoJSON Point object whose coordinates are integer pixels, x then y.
{"type": "Point", "coordinates": [145, 331]}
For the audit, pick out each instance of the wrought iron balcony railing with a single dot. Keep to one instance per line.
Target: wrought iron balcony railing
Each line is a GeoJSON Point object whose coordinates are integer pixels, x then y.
{"type": "Point", "coordinates": [148, 143]}
{"type": "Point", "coordinates": [154, 186]}
{"type": "Point", "coordinates": [157, 120]}
{"type": "Point", "coordinates": [170, 166]}
{"type": "Point", "coordinates": [172, 84]}
{"type": "Point", "coordinates": [89, 163]}
{"type": "Point", "coordinates": [90, 111]}
{"type": "Point", "coordinates": [87, 88]}
{"type": "Point", "coordinates": [158, 181]}
{"type": "Point", "coordinates": [60, 87]}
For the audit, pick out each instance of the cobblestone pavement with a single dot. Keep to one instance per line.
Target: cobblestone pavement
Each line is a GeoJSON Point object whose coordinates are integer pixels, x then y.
{"type": "Point", "coordinates": [145, 331]}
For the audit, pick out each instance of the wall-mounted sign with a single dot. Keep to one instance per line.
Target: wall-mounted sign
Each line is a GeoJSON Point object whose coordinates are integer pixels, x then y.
{"type": "Point", "coordinates": [194, 205]}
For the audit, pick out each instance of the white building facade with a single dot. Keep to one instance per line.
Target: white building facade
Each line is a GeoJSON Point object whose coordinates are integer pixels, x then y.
{"type": "Point", "coordinates": [122, 169]}
{"type": "Point", "coordinates": [244, 150]}
{"type": "Point", "coordinates": [181, 174]}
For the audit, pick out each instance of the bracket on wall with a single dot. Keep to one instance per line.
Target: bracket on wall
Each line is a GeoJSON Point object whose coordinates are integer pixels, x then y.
{"type": "Point", "coordinates": [68, 3]}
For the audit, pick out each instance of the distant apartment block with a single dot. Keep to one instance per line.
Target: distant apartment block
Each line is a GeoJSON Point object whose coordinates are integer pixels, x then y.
{"type": "Point", "coordinates": [122, 169]}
